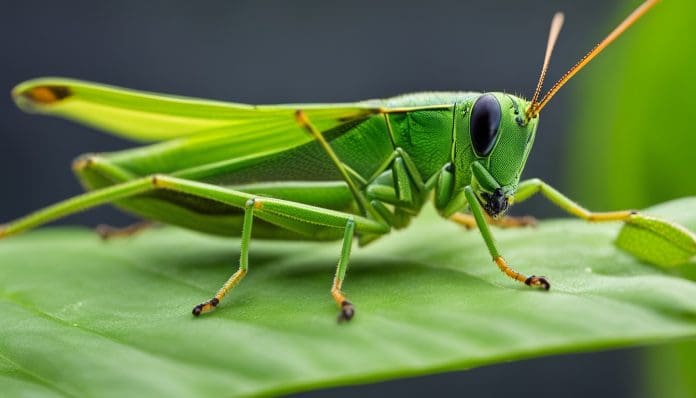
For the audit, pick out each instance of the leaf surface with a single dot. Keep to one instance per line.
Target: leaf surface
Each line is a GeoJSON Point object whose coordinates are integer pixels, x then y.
{"type": "Point", "coordinates": [81, 317]}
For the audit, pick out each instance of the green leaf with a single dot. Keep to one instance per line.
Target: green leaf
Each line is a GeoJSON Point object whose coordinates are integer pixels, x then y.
{"type": "Point", "coordinates": [632, 145]}
{"type": "Point", "coordinates": [81, 317]}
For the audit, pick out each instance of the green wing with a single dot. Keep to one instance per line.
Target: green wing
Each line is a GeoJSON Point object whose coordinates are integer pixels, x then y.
{"type": "Point", "coordinates": [147, 116]}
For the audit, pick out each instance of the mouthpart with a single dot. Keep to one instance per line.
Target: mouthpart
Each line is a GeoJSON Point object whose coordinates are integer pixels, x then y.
{"type": "Point", "coordinates": [495, 204]}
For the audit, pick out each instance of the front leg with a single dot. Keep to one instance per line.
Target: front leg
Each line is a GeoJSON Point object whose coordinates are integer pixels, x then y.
{"type": "Point", "coordinates": [528, 188]}
{"type": "Point", "coordinates": [648, 238]}
{"type": "Point", "coordinates": [477, 211]}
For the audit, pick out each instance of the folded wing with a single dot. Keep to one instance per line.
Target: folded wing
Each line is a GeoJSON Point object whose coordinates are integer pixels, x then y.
{"type": "Point", "coordinates": [144, 116]}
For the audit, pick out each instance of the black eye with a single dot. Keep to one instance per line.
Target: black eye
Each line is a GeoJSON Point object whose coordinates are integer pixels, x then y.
{"type": "Point", "coordinates": [485, 120]}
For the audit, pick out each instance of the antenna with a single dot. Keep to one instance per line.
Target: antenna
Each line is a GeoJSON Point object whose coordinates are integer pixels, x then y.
{"type": "Point", "coordinates": [535, 107]}
{"type": "Point", "coordinates": [556, 25]}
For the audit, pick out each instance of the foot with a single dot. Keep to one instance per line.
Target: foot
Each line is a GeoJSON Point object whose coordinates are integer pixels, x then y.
{"type": "Point", "coordinates": [347, 312]}
{"type": "Point", "coordinates": [208, 306]}
{"type": "Point", "coordinates": [107, 232]}
{"type": "Point", "coordinates": [538, 281]}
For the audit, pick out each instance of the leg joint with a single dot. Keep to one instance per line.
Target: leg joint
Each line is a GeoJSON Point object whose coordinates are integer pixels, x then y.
{"type": "Point", "coordinates": [538, 185]}
{"type": "Point", "coordinates": [158, 180]}
{"type": "Point", "coordinates": [254, 203]}
{"type": "Point", "coordinates": [84, 162]}
{"type": "Point", "coordinates": [301, 118]}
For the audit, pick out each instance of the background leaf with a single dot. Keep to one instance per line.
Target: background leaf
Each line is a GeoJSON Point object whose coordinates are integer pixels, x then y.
{"type": "Point", "coordinates": [633, 140]}
{"type": "Point", "coordinates": [633, 143]}
{"type": "Point", "coordinates": [82, 317]}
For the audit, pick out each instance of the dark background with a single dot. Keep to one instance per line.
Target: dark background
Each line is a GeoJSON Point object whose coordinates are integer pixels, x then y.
{"type": "Point", "coordinates": [304, 51]}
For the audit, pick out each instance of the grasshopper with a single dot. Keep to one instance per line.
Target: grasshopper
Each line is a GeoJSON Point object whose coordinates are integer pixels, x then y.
{"type": "Point", "coordinates": [312, 171]}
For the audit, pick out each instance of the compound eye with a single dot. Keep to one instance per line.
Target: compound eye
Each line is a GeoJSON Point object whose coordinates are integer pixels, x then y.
{"type": "Point", "coordinates": [485, 120]}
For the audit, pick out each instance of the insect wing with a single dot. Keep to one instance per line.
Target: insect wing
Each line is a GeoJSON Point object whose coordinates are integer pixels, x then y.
{"type": "Point", "coordinates": [145, 116]}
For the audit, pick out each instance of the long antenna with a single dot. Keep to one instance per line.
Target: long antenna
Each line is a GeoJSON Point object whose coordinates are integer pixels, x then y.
{"type": "Point", "coordinates": [556, 25]}
{"type": "Point", "coordinates": [536, 107]}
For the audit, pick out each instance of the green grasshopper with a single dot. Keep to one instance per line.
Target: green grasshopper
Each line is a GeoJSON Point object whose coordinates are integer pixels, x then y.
{"type": "Point", "coordinates": [312, 171]}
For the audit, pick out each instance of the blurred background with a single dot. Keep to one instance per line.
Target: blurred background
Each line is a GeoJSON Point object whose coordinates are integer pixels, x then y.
{"type": "Point", "coordinates": [619, 135]}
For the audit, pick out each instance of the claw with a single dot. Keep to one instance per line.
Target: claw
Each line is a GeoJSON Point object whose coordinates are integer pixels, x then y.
{"type": "Point", "coordinates": [205, 307]}
{"type": "Point", "coordinates": [347, 312]}
{"type": "Point", "coordinates": [538, 281]}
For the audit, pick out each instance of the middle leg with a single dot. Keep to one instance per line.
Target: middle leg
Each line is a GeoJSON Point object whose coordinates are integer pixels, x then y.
{"type": "Point", "coordinates": [478, 212]}
{"type": "Point", "coordinates": [469, 221]}
{"type": "Point", "coordinates": [243, 263]}
{"type": "Point", "coordinates": [347, 309]}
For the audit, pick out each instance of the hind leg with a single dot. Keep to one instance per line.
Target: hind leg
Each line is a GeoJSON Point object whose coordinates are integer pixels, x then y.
{"type": "Point", "coordinates": [286, 214]}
